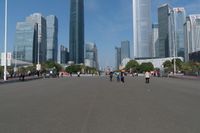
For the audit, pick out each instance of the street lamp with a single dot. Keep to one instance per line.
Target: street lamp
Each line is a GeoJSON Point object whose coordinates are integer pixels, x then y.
{"type": "Point", "coordinates": [5, 41]}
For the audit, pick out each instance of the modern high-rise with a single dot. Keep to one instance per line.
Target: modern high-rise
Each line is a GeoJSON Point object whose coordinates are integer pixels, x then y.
{"type": "Point", "coordinates": [178, 17]}
{"type": "Point", "coordinates": [117, 57]}
{"type": "Point", "coordinates": [76, 34]}
{"type": "Point", "coordinates": [164, 23]}
{"type": "Point", "coordinates": [125, 49]}
{"type": "Point", "coordinates": [52, 37]}
{"type": "Point", "coordinates": [64, 55]}
{"type": "Point", "coordinates": [91, 55]}
{"type": "Point", "coordinates": [192, 35]}
{"type": "Point", "coordinates": [155, 41]}
{"type": "Point", "coordinates": [42, 38]}
{"type": "Point", "coordinates": [142, 27]}
{"type": "Point", "coordinates": [26, 42]}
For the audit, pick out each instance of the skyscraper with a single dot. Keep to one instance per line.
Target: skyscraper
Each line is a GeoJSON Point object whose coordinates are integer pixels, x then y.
{"type": "Point", "coordinates": [64, 55]}
{"type": "Point", "coordinates": [91, 55]}
{"type": "Point", "coordinates": [155, 41]}
{"type": "Point", "coordinates": [26, 42]}
{"type": "Point", "coordinates": [178, 18]}
{"type": "Point", "coordinates": [164, 22]}
{"type": "Point", "coordinates": [42, 38]}
{"type": "Point", "coordinates": [117, 57]}
{"type": "Point", "coordinates": [125, 49]}
{"type": "Point", "coordinates": [52, 37]}
{"type": "Point", "coordinates": [76, 35]}
{"type": "Point", "coordinates": [142, 28]}
{"type": "Point", "coordinates": [192, 35]}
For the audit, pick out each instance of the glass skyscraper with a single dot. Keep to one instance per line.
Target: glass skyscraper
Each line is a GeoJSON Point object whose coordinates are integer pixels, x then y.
{"type": "Point", "coordinates": [26, 42]}
{"type": "Point", "coordinates": [42, 39]}
{"type": "Point", "coordinates": [155, 41]}
{"type": "Point", "coordinates": [164, 23]}
{"type": "Point", "coordinates": [76, 34]}
{"type": "Point", "coordinates": [52, 38]}
{"type": "Point", "coordinates": [64, 55]}
{"type": "Point", "coordinates": [117, 57]}
{"type": "Point", "coordinates": [192, 35]}
{"type": "Point", "coordinates": [142, 27]}
{"type": "Point", "coordinates": [91, 55]}
{"type": "Point", "coordinates": [178, 16]}
{"type": "Point", "coordinates": [125, 49]}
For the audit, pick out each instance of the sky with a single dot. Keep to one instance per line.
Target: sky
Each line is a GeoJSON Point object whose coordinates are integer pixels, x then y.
{"type": "Point", "coordinates": [107, 22]}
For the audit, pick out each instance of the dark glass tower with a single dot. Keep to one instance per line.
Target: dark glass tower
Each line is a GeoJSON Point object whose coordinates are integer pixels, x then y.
{"type": "Point", "coordinates": [76, 35]}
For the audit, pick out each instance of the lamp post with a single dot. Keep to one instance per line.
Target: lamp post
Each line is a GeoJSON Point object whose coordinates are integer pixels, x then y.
{"type": "Point", "coordinates": [5, 41]}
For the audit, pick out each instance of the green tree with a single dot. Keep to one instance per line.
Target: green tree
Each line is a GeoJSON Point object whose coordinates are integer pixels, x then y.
{"type": "Point", "coordinates": [146, 66]}
{"type": "Point", "coordinates": [167, 64]}
{"type": "Point", "coordinates": [73, 69]}
{"type": "Point", "coordinates": [132, 65]}
{"type": "Point", "coordinates": [51, 65]}
{"type": "Point", "coordinates": [179, 63]}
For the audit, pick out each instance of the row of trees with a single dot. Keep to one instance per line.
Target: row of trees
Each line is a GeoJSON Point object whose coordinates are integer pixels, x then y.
{"type": "Point", "coordinates": [50, 65]}
{"type": "Point", "coordinates": [134, 66]}
{"type": "Point", "coordinates": [189, 68]}
{"type": "Point", "coordinates": [81, 68]}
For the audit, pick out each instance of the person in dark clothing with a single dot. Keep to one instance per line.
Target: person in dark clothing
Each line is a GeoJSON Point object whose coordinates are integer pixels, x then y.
{"type": "Point", "coordinates": [122, 77]}
{"type": "Point", "coordinates": [111, 76]}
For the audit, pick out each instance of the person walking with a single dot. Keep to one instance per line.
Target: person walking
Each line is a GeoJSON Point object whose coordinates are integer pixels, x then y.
{"type": "Point", "coordinates": [118, 77]}
{"type": "Point", "coordinates": [111, 76]}
{"type": "Point", "coordinates": [147, 77]}
{"type": "Point", "coordinates": [122, 77]}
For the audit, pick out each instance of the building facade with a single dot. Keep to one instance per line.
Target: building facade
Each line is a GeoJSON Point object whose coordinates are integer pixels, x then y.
{"type": "Point", "coordinates": [192, 35]}
{"type": "Point", "coordinates": [91, 55]}
{"type": "Point", "coordinates": [76, 34]}
{"type": "Point", "coordinates": [118, 59]}
{"type": "Point", "coordinates": [52, 38]}
{"type": "Point", "coordinates": [26, 42]}
{"type": "Point", "coordinates": [164, 23]}
{"type": "Point", "coordinates": [155, 41]}
{"type": "Point", "coordinates": [178, 18]}
{"type": "Point", "coordinates": [142, 27]}
{"type": "Point", "coordinates": [37, 18]}
{"type": "Point", "coordinates": [125, 49]}
{"type": "Point", "coordinates": [64, 55]}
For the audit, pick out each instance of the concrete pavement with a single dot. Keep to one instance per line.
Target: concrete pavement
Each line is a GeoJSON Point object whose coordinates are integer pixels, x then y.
{"type": "Point", "coordinates": [95, 105]}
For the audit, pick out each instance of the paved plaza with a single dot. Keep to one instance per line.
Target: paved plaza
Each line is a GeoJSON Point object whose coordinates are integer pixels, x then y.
{"type": "Point", "coordinates": [96, 105]}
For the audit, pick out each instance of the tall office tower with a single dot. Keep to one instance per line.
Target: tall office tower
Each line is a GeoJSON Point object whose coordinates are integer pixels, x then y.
{"type": "Point", "coordinates": [42, 39]}
{"type": "Point", "coordinates": [76, 35]}
{"type": "Point", "coordinates": [91, 55]}
{"type": "Point", "coordinates": [64, 55]}
{"type": "Point", "coordinates": [164, 22]}
{"type": "Point", "coordinates": [117, 57]}
{"type": "Point", "coordinates": [192, 35]}
{"type": "Point", "coordinates": [155, 41]}
{"type": "Point", "coordinates": [26, 42]}
{"type": "Point", "coordinates": [125, 49]}
{"type": "Point", "coordinates": [178, 16]}
{"type": "Point", "coordinates": [142, 27]}
{"type": "Point", "coordinates": [52, 37]}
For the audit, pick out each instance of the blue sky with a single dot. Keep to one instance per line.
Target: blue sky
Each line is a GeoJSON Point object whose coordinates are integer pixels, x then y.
{"type": "Point", "coordinates": [107, 22]}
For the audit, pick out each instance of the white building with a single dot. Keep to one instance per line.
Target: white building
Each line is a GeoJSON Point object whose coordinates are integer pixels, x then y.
{"type": "Point", "coordinates": [142, 27]}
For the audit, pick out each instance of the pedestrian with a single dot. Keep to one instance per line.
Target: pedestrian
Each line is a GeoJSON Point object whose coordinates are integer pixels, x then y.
{"type": "Point", "coordinates": [147, 77]}
{"type": "Point", "coordinates": [122, 77]}
{"type": "Point", "coordinates": [78, 74]}
{"type": "Point", "coordinates": [118, 77]}
{"type": "Point", "coordinates": [111, 76]}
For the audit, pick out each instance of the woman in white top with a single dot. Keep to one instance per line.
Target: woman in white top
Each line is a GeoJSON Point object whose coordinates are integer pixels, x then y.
{"type": "Point", "coordinates": [147, 76]}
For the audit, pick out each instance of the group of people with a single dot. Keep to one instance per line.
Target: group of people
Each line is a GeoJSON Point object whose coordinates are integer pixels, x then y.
{"type": "Point", "coordinates": [120, 76]}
